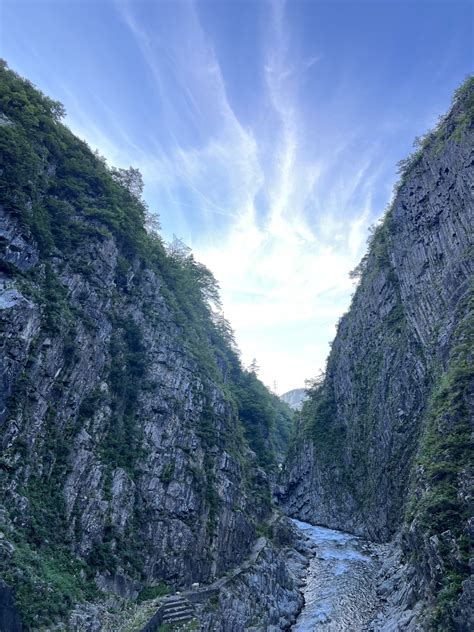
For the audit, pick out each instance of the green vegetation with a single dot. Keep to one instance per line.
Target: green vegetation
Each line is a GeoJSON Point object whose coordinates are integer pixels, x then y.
{"type": "Point", "coordinates": [320, 422]}
{"type": "Point", "coordinates": [463, 104]}
{"type": "Point", "coordinates": [465, 95]}
{"type": "Point", "coordinates": [152, 592]}
{"type": "Point", "coordinates": [210, 494]}
{"type": "Point", "coordinates": [121, 447]}
{"type": "Point", "coordinates": [167, 473]}
{"type": "Point", "coordinates": [49, 205]}
{"type": "Point", "coordinates": [444, 459]}
{"type": "Point", "coordinates": [71, 202]}
{"type": "Point", "coordinates": [48, 580]}
{"type": "Point", "coordinates": [48, 577]}
{"type": "Point", "coordinates": [258, 412]}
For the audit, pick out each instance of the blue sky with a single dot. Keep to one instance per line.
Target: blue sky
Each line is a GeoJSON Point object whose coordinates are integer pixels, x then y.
{"type": "Point", "coordinates": [267, 133]}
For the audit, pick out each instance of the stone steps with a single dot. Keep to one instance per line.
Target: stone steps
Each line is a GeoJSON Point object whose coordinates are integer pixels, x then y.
{"type": "Point", "coordinates": [177, 610]}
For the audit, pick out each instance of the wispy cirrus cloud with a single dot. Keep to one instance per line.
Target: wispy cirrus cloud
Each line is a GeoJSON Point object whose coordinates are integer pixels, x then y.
{"type": "Point", "coordinates": [294, 257]}
{"type": "Point", "coordinates": [267, 133]}
{"type": "Point", "coordinates": [210, 163]}
{"type": "Point", "coordinates": [252, 202]}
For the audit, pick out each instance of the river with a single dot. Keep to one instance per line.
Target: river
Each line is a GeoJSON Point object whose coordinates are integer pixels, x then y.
{"type": "Point", "coordinates": [340, 592]}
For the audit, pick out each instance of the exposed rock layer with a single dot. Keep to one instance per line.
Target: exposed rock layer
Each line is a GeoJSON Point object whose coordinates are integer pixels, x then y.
{"type": "Point", "coordinates": [124, 461]}
{"type": "Point", "coordinates": [380, 439]}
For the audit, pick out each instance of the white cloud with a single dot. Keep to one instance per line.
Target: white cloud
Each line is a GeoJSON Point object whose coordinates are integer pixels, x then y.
{"type": "Point", "coordinates": [292, 271]}
{"type": "Point", "coordinates": [282, 263]}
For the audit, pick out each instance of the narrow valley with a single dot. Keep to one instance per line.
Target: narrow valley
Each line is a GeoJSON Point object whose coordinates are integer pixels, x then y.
{"type": "Point", "coordinates": [151, 482]}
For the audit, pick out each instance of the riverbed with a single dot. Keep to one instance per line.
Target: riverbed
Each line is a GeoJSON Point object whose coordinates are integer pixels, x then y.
{"type": "Point", "coordinates": [340, 592]}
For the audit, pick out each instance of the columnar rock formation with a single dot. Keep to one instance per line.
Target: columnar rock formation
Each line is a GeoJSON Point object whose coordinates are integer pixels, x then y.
{"type": "Point", "coordinates": [383, 443]}
{"type": "Point", "coordinates": [138, 457]}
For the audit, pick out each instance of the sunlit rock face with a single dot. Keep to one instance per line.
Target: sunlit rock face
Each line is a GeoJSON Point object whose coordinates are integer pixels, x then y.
{"type": "Point", "coordinates": [294, 398]}
{"type": "Point", "coordinates": [391, 420]}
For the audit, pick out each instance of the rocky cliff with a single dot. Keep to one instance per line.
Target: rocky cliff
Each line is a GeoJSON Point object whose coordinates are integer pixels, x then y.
{"type": "Point", "coordinates": [383, 442]}
{"type": "Point", "coordinates": [132, 460]}
{"type": "Point", "coordinates": [294, 398]}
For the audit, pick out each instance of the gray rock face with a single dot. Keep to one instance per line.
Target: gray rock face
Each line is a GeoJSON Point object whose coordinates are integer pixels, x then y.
{"type": "Point", "coordinates": [352, 468]}
{"type": "Point", "coordinates": [119, 443]}
{"type": "Point", "coordinates": [264, 593]}
{"type": "Point", "coordinates": [386, 350]}
{"type": "Point", "coordinates": [294, 398]}
{"type": "Point", "coordinates": [265, 597]}
{"type": "Point", "coordinates": [15, 244]}
{"type": "Point", "coordinates": [163, 501]}
{"type": "Point", "coordinates": [126, 419]}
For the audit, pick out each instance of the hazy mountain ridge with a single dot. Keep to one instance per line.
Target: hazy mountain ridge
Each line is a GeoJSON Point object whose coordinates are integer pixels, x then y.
{"type": "Point", "coordinates": [294, 398]}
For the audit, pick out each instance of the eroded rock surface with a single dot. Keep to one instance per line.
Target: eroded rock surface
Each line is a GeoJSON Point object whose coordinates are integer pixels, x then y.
{"type": "Point", "coordinates": [125, 463]}
{"type": "Point", "coordinates": [383, 445]}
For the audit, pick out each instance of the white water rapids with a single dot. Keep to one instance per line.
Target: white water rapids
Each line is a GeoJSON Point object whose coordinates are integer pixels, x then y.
{"type": "Point", "coordinates": [340, 592]}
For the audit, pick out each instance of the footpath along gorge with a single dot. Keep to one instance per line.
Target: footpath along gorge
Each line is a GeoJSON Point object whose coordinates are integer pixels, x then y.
{"type": "Point", "coordinates": [149, 482]}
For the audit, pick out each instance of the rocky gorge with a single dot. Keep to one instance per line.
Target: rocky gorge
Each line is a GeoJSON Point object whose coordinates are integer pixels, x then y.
{"type": "Point", "coordinates": [383, 448]}
{"type": "Point", "coordinates": [133, 462]}
{"type": "Point", "coordinates": [140, 462]}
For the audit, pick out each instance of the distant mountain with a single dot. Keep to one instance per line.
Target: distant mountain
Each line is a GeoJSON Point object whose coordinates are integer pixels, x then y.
{"type": "Point", "coordinates": [294, 398]}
